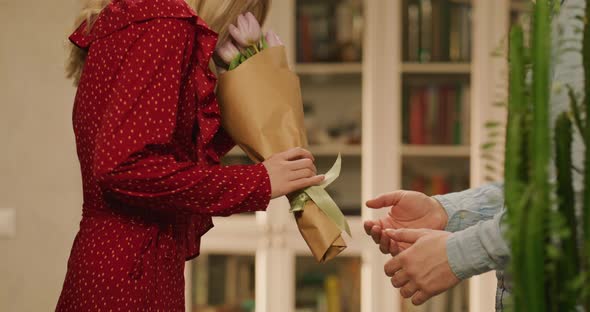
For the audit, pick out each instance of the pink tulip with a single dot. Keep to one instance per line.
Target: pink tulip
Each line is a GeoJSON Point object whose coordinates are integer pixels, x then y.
{"type": "Point", "coordinates": [273, 40]}
{"type": "Point", "coordinates": [228, 52]}
{"type": "Point", "coordinates": [220, 70]}
{"type": "Point", "coordinates": [248, 32]}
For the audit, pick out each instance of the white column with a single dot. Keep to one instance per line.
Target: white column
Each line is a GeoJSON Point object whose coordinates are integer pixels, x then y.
{"type": "Point", "coordinates": [381, 137]}
{"type": "Point", "coordinates": [275, 261]}
{"type": "Point", "coordinates": [282, 20]}
{"type": "Point", "coordinates": [188, 295]}
{"type": "Point", "coordinates": [489, 85]}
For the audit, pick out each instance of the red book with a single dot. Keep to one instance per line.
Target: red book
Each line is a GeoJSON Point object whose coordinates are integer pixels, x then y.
{"type": "Point", "coordinates": [451, 98]}
{"type": "Point", "coordinates": [419, 184]}
{"type": "Point", "coordinates": [439, 185]}
{"type": "Point", "coordinates": [443, 117]}
{"type": "Point", "coordinates": [431, 114]}
{"type": "Point", "coordinates": [306, 44]}
{"type": "Point", "coordinates": [418, 102]}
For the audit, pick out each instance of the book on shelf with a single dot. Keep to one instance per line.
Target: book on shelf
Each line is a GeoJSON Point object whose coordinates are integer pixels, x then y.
{"type": "Point", "coordinates": [426, 37]}
{"type": "Point", "coordinates": [222, 282]}
{"type": "Point", "coordinates": [334, 287]}
{"type": "Point", "coordinates": [435, 184]}
{"type": "Point", "coordinates": [329, 31]}
{"type": "Point", "coordinates": [437, 31]}
{"type": "Point", "coordinates": [333, 294]}
{"type": "Point", "coordinates": [412, 36]}
{"type": "Point", "coordinates": [436, 115]}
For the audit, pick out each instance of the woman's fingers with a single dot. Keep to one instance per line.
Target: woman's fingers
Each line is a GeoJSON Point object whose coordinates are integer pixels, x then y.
{"type": "Point", "coordinates": [297, 153]}
{"type": "Point", "coordinates": [305, 183]}
{"type": "Point", "coordinates": [304, 163]}
{"type": "Point", "coordinates": [302, 174]}
{"type": "Point", "coordinates": [291, 171]}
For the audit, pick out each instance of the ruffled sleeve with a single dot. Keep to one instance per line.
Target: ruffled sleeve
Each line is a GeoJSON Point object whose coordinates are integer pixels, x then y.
{"type": "Point", "coordinates": [136, 160]}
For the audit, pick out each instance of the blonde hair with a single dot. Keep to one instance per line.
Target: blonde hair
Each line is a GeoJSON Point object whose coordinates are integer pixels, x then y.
{"type": "Point", "coordinates": [218, 14]}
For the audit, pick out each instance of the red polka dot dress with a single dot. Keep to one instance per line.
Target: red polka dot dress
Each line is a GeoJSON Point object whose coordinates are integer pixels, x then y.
{"type": "Point", "coordinates": [149, 140]}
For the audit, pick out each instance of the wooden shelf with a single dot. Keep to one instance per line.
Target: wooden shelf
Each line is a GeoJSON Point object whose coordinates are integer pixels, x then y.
{"type": "Point", "coordinates": [468, 2]}
{"type": "Point", "coordinates": [436, 68]}
{"type": "Point", "coordinates": [436, 151]}
{"type": "Point", "coordinates": [520, 6]}
{"type": "Point", "coordinates": [328, 150]}
{"type": "Point", "coordinates": [328, 68]}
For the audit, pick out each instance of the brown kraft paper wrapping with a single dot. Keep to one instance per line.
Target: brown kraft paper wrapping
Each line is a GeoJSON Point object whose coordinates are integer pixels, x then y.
{"type": "Point", "coordinates": [262, 110]}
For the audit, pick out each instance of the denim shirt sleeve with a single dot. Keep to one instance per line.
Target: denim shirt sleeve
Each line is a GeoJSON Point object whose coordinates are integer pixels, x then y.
{"type": "Point", "coordinates": [469, 207]}
{"type": "Point", "coordinates": [479, 249]}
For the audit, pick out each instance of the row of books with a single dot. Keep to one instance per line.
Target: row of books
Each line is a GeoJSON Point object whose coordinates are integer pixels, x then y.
{"type": "Point", "coordinates": [329, 31]}
{"type": "Point", "coordinates": [333, 287]}
{"type": "Point", "coordinates": [437, 31]}
{"type": "Point", "coordinates": [436, 114]}
{"type": "Point", "coordinates": [223, 283]}
{"type": "Point", "coordinates": [437, 184]}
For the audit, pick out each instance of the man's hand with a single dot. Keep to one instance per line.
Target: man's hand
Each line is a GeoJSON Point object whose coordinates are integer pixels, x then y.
{"type": "Point", "coordinates": [409, 209]}
{"type": "Point", "coordinates": [422, 271]}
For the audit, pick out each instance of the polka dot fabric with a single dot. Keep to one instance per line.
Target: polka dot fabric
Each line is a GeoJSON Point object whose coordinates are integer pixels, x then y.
{"type": "Point", "coordinates": [149, 140]}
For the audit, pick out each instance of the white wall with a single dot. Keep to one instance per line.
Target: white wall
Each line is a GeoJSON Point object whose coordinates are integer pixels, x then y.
{"type": "Point", "coordinates": [39, 173]}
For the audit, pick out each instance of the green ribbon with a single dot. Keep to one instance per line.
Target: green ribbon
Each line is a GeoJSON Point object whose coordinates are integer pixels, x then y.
{"type": "Point", "coordinates": [322, 199]}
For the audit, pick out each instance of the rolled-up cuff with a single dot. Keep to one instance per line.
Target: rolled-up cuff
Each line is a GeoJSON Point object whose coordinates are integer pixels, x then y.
{"type": "Point", "coordinates": [451, 209]}
{"type": "Point", "coordinates": [466, 255]}
{"type": "Point", "coordinates": [478, 249]}
{"type": "Point", "coordinates": [467, 208]}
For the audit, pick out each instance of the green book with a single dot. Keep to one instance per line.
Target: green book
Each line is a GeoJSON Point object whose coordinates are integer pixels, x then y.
{"type": "Point", "coordinates": [426, 31]}
{"type": "Point", "coordinates": [445, 30]}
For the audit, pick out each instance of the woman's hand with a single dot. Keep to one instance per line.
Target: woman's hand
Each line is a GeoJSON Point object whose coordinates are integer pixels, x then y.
{"type": "Point", "coordinates": [291, 171]}
{"type": "Point", "coordinates": [408, 210]}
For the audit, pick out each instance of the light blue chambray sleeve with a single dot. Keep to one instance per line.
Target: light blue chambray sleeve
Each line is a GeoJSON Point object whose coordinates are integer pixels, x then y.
{"type": "Point", "coordinates": [469, 207]}
{"type": "Point", "coordinates": [479, 249]}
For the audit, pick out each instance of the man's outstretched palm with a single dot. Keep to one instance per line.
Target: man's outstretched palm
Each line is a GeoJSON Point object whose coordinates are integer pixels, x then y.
{"type": "Point", "coordinates": [411, 210]}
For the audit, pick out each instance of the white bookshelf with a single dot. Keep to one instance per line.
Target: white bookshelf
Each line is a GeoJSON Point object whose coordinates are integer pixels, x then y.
{"type": "Point", "coordinates": [332, 150]}
{"type": "Point", "coordinates": [329, 150]}
{"type": "Point", "coordinates": [272, 236]}
{"type": "Point", "coordinates": [328, 68]}
{"type": "Point", "coordinates": [436, 151]}
{"type": "Point", "coordinates": [437, 68]}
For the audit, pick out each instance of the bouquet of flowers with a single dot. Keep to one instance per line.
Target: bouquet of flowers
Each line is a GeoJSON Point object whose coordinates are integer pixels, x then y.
{"type": "Point", "coordinates": [262, 110]}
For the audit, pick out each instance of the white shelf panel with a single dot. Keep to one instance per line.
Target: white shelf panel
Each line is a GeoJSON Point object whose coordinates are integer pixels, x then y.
{"type": "Point", "coordinates": [328, 68]}
{"type": "Point", "coordinates": [319, 150]}
{"type": "Point", "coordinates": [221, 239]}
{"type": "Point", "coordinates": [436, 68]}
{"type": "Point", "coordinates": [436, 151]}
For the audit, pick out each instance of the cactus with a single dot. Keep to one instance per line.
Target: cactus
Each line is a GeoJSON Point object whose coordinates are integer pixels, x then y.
{"type": "Point", "coordinates": [536, 232]}
{"type": "Point", "coordinates": [586, 206]}
{"type": "Point", "coordinates": [568, 263]}
{"type": "Point", "coordinates": [515, 168]}
{"type": "Point", "coordinates": [548, 270]}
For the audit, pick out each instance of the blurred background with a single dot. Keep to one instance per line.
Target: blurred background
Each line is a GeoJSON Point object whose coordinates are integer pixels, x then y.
{"type": "Point", "coordinates": [403, 89]}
